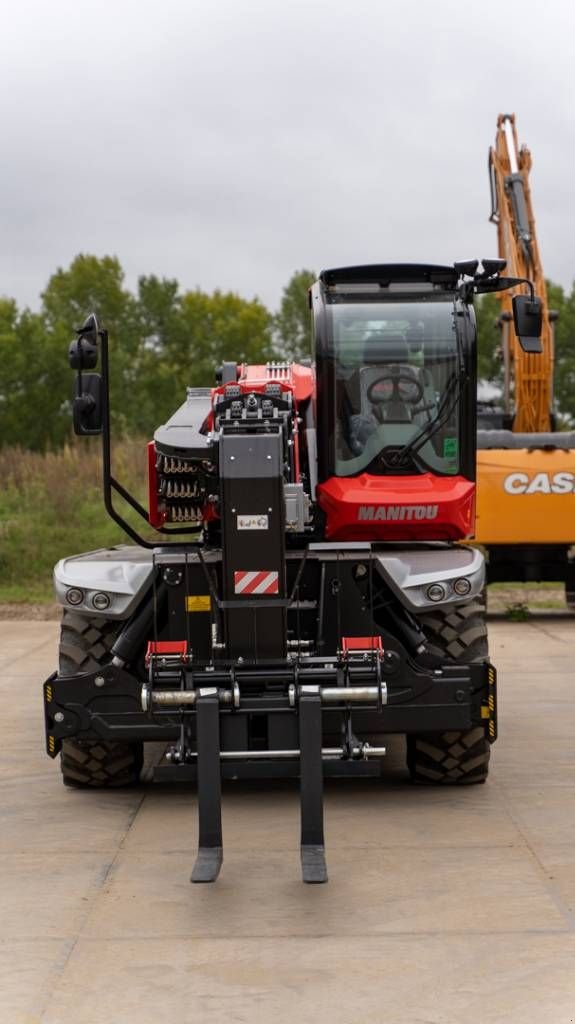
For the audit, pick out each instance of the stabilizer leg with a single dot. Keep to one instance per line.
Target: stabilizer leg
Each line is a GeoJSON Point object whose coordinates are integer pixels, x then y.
{"type": "Point", "coordinates": [210, 847]}
{"type": "Point", "coordinates": [314, 869]}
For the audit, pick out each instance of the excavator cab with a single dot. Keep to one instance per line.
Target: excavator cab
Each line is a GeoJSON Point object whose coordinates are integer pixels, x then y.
{"type": "Point", "coordinates": [395, 356]}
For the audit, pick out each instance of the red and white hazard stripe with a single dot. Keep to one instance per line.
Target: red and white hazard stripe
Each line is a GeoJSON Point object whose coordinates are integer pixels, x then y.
{"type": "Point", "coordinates": [263, 582]}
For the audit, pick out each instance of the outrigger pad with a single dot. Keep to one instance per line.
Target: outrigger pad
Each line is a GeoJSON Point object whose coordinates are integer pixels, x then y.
{"type": "Point", "coordinates": [208, 864]}
{"type": "Point", "coordinates": [313, 865]}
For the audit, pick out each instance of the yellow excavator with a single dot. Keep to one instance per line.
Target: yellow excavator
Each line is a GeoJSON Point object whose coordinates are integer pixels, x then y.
{"type": "Point", "coordinates": [525, 467]}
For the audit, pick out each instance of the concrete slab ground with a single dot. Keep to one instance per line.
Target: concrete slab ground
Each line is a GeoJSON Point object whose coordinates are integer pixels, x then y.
{"type": "Point", "coordinates": [443, 906]}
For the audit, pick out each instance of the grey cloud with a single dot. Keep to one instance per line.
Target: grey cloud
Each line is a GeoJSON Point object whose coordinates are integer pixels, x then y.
{"type": "Point", "coordinates": [230, 146]}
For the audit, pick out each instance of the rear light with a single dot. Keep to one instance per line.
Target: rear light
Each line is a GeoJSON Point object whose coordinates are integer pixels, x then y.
{"type": "Point", "coordinates": [74, 595]}
{"type": "Point", "coordinates": [101, 601]}
{"type": "Point", "coordinates": [436, 592]}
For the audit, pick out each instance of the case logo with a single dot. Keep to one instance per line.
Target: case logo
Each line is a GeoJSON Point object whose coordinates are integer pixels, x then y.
{"type": "Point", "coordinates": [396, 513]}
{"type": "Point", "coordinates": [540, 483]}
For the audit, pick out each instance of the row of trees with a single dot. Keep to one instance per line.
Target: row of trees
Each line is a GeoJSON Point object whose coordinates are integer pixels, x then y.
{"type": "Point", "coordinates": [163, 339]}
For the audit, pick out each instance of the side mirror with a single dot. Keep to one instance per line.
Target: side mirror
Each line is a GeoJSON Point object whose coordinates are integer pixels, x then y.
{"type": "Point", "coordinates": [83, 351]}
{"type": "Point", "coordinates": [528, 320]}
{"type": "Point", "coordinates": [87, 407]}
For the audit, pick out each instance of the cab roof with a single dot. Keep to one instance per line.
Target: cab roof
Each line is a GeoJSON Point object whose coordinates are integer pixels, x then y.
{"type": "Point", "coordinates": [383, 274]}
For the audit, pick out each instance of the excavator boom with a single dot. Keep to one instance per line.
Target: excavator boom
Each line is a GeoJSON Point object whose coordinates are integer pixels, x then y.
{"type": "Point", "coordinates": [512, 212]}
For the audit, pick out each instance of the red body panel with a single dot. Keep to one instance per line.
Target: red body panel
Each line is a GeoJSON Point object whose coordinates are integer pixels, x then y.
{"type": "Point", "coordinates": [300, 380]}
{"type": "Point", "coordinates": [361, 643]}
{"type": "Point", "coordinates": [290, 377]}
{"type": "Point", "coordinates": [401, 508]}
{"type": "Point", "coordinates": [173, 648]}
{"type": "Point", "coordinates": [296, 378]}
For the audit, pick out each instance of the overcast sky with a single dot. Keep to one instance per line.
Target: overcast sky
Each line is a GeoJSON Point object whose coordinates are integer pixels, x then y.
{"type": "Point", "coordinates": [229, 144]}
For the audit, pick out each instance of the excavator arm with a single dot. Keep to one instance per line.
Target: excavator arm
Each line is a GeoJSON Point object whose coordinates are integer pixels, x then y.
{"type": "Point", "coordinates": [528, 377]}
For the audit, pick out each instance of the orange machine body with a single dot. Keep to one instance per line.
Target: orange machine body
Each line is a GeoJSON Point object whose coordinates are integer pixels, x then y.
{"type": "Point", "coordinates": [525, 496]}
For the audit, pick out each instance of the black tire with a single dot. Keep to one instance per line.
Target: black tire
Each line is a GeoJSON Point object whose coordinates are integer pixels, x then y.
{"type": "Point", "coordinates": [458, 633]}
{"type": "Point", "coordinates": [85, 644]}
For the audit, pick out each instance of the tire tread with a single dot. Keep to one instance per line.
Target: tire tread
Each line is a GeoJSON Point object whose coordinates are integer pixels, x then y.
{"type": "Point", "coordinates": [85, 645]}
{"type": "Point", "coordinates": [453, 758]}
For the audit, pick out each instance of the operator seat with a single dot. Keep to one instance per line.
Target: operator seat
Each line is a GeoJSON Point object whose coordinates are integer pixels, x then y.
{"type": "Point", "coordinates": [389, 354]}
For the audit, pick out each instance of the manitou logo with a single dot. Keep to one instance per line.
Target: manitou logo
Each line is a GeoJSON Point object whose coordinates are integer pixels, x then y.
{"type": "Point", "coordinates": [540, 483]}
{"type": "Point", "coordinates": [396, 513]}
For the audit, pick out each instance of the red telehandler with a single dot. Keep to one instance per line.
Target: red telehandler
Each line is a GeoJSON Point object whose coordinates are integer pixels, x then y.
{"type": "Point", "coordinates": [308, 593]}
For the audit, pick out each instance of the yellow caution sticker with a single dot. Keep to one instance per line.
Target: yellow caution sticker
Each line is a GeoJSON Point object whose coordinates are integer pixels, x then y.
{"type": "Point", "coordinates": [48, 694]}
{"type": "Point", "coordinates": [485, 712]}
{"type": "Point", "coordinates": [198, 603]}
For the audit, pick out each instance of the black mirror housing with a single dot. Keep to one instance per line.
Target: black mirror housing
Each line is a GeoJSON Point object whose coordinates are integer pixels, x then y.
{"type": "Point", "coordinates": [528, 321]}
{"type": "Point", "coordinates": [87, 407]}
{"type": "Point", "coordinates": [83, 351]}
{"type": "Point", "coordinates": [82, 354]}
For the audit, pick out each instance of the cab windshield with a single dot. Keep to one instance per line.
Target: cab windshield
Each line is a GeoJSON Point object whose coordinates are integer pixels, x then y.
{"type": "Point", "coordinates": [397, 382]}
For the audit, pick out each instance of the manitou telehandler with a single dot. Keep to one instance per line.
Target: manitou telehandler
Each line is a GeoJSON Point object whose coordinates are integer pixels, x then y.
{"type": "Point", "coordinates": [308, 593]}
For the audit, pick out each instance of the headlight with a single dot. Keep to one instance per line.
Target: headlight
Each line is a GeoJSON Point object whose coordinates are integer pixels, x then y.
{"type": "Point", "coordinates": [74, 595]}
{"type": "Point", "coordinates": [462, 586]}
{"type": "Point", "coordinates": [101, 601]}
{"type": "Point", "coordinates": [435, 592]}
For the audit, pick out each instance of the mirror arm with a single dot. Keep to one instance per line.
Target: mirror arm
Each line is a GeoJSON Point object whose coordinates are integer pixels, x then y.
{"type": "Point", "coordinates": [499, 284]}
{"type": "Point", "coordinates": [109, 483]}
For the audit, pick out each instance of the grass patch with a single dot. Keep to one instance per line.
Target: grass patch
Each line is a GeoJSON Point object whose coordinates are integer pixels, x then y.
{"type": "Point", "coordinates": [51, 506]}
{"type": "Point", "coordinates": [517, 600]}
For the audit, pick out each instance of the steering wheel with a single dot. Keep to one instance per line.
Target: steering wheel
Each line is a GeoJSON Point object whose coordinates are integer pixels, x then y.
{"type": "Point", "coordinates": [395, 387]}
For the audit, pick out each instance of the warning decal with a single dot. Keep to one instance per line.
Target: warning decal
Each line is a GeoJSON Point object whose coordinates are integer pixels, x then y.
{"type": "Point", "coordinates": [256, 582]}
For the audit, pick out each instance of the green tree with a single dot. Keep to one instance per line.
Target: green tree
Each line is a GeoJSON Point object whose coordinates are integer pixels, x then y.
{"type": "Point", "coordinates": [93, 284]}
{"type": "Point", "coordinates": [189, 336]}
{"type": "Point", "coordinates": [489, 357]}
{"type": "Point", "coordinates": [89, 284]}
{"type": "Point", "coordinates": [564, 351]}
{"type": "Point", "coordinates": [35, 382]}
{"type": "Point", "coordinates": [161, 330]}
{"type": "Point", "coordinates": [292, 324]}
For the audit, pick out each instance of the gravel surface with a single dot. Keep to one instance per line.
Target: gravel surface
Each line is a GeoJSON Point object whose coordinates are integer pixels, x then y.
{"type": "Point", "coordinates": [36, 612]}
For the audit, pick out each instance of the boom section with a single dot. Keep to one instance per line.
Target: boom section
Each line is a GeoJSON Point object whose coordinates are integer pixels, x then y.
{"type": "Point", "coordinates": [529, 377]}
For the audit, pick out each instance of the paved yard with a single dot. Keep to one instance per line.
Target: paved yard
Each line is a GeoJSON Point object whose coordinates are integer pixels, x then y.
{"type": "Point", "coordinates": [443, 907]}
